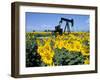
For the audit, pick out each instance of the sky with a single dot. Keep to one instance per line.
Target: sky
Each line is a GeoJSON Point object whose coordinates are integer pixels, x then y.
{"type": "Point", "coordinates": [48, 21]}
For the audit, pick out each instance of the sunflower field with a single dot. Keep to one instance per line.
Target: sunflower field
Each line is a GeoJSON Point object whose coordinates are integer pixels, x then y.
{"type": "Point", "coordinates": [44, 49]}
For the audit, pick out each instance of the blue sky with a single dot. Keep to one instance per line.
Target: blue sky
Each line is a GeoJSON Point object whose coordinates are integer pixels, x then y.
{"type": "Point", "coordinates": [43, 21]}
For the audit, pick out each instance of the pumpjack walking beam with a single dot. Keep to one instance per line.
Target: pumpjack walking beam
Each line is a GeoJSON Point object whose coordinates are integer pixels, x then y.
{"type": "Point", "coordinates": [67, 23]}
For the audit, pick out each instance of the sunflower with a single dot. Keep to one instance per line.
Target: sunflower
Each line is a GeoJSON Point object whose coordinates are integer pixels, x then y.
{"type": "Point", "coordinates": [47, 58]}
{"type": "Point", "coordinates": [46, 54]}
{"type": "Point", "coordinates": [86, 61]}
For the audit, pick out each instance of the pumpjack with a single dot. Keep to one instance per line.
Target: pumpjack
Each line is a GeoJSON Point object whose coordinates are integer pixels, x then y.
{"type": "Point", "coordinates": [58, 28]}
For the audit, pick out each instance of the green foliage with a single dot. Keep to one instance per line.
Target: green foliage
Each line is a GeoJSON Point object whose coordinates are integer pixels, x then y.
{"type": "Point", "coordinates": [64, 57]}
{"type": "Point", "coordinates": [42, 35]}
{"type": "Point", "coordinates": [32, 57]}
{"type": "Point", "coordinates": [61, 56]}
